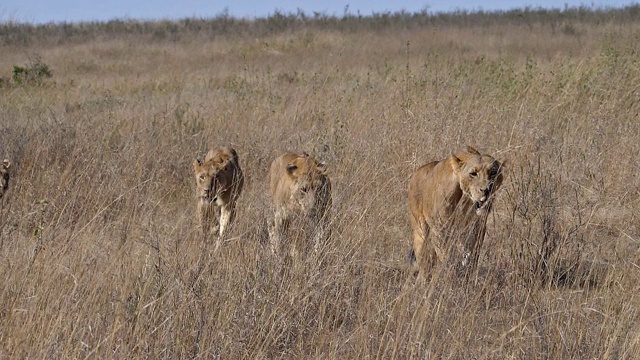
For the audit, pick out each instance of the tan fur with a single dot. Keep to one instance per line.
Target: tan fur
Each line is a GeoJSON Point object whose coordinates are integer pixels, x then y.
{"type": "Point", "coordinates": [219, 182]}
{"type": "Point", "coordinates": [4, 176]}
{"type": "Point", "coordinates": [299, 188]}
{"type": "Point", "coordinates": [448, 202]}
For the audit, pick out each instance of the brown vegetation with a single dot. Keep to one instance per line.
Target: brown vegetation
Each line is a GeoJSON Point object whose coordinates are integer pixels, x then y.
{"type": "Point", "coordinates": [100, 255]}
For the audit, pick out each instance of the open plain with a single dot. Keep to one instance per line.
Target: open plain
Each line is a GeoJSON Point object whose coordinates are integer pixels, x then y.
{"type": "Point", "coordinates": [101, 256]}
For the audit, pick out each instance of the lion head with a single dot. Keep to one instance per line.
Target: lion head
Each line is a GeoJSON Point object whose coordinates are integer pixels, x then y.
{"type": "Point", "coordinates": [4, 176]}
{"type": "Point", "coordinates": [309, 180]}
{"type": "Point", "coordinates": [479, 177]}
{"type": "Point", "coordinates": [214, 175]}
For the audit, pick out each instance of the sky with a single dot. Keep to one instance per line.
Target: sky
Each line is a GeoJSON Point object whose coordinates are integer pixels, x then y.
{"type": "Point", "coordinates": [46, 11]}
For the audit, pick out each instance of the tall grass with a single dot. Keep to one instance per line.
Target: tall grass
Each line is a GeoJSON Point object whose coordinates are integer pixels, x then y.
{"type": "Point", "coordinates": [100, 255]}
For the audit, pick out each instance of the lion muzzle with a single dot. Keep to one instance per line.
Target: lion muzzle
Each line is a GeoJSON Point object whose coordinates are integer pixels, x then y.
{"type": "Point", "coordinates": [482, 206]}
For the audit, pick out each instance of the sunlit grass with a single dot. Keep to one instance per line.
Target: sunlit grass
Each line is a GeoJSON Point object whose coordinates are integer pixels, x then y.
{"type": "Point", "coordinates": [100, 255]}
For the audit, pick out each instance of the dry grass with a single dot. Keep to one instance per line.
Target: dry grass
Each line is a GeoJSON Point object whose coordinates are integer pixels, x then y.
{"type": "Point", "coordinates": [99, 252]}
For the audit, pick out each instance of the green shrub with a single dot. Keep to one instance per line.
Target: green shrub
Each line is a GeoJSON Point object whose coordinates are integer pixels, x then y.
{"type": "Point", "coordinates": [34, 73]}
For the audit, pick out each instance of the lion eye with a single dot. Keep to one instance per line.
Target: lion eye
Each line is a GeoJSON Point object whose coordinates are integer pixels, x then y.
{"type": "Point", "coordinates": [201, 177]}
{"type": "Point", "coordinates": [473, 174]}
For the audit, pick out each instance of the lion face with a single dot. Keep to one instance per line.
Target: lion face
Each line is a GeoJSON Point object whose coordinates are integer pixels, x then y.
{"type": "Point", "coordinates": [4, 176]}
{"type": "Point", "coordinates": [219, 182]}
{"type": "Point", "coordinates": [479, 177]}
{"type": "Point", "coordinates": [309, 179]}
{"type": "Point", "coordinates": [211, 178]}
{"type": "Point", "coordinates": [301, 190]}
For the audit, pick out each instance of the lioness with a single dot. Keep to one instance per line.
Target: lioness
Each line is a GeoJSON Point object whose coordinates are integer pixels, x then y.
{"type": "Point", "coordinates": [219, 181]}
{"type": "Point", "coordinates": [300, 189]}
{"type": "Point", "coordinates": [4, 176]}
{"type": "Point", "coordinates": [449, 201]}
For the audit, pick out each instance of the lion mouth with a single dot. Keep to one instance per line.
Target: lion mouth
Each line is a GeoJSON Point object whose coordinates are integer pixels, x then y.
{"type": "Point", "coordinates": [208, 199]}
{"type": "Point", "coordinates": [482, 205]}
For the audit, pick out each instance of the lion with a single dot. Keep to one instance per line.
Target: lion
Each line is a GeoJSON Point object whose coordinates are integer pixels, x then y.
{"type": "Point", "coordinates": [300, 190]}
{"type": "Point", "coordinates": [449, 202]}
{"type": "Point", "coordinates": [219, 182]}
{"type": "Point", "coordinates": [4, 176]}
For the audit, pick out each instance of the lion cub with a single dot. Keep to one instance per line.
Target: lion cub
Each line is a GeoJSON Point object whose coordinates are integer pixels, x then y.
{"type": "Point", "coordinates": [4, 176]}
{"type": "Point", "coordinates": [219, 181]}
{"type": "Point", "coordinates": [300, 190]}
{"type": "Point", "coordinates": [449, 201]}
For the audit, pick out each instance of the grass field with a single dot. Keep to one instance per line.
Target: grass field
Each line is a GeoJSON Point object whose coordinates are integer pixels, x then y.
{"type": "Point", "coordinates": [100, 255]}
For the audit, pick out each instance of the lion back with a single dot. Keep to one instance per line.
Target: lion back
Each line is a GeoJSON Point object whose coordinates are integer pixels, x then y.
{"type": "Point", "coordinates": [226, 161]}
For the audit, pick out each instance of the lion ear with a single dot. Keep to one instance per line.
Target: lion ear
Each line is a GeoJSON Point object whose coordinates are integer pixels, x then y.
{"type": "Point", "coordinates": [196, 164]}
{"type": "Point", "coordinates": [471, 150]}
{"type": "Point", "coordinates": [225, 161]}
{"type": "Point", "coordinates": [457, 162]}
{"type": "Point", "coordinates": [291, 168]}
{"type": "Point", "coordinates": [322, 167]}
{"type": "Point", "coordinates": [462, 156]}
{"type": "Point", "coordinates": [6, 164]}
{"type": "Point", "coordinates": [503, 165]}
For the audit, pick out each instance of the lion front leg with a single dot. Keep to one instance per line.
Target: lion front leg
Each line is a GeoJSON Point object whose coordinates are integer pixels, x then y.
{"type": "Point", "coordinates": [208, 219]}
{"type": "Point", "coordinates": [203, 214]}
{"type": "Point", "coordinates": [276, 231]}
{"type": "Point", "coordinates": [424, 252]}
{"type": "Point", "coordinates": [227, 213]}
{"type": "Point", "coordinates": [471, 249]}
{"type": "Point", "coordinates": [318, 237]}
{"type": "Point", "coordinates": [322, 233]}
{"type": "Point", "coordinates": [417, 260]}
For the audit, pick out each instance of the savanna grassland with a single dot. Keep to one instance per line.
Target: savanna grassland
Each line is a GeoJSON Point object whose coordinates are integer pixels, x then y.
{"type": "Point", "coordinates": [100, 255]}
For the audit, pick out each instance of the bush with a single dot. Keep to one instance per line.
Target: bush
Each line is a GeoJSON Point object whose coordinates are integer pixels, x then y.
{"type": "Point", "coordinates": [34, 73]}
